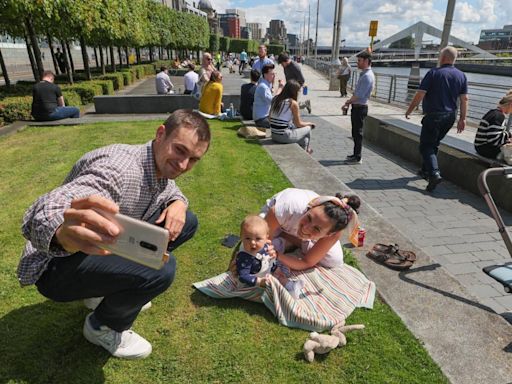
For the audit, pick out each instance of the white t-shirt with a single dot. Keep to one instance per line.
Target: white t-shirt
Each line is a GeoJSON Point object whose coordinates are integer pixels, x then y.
{"type": "Point", "coordinates": [190, 78]}
{"type": "Point", "coordinates": [163, 83]}
{"type": "Point", "coordinates": [289, 206]}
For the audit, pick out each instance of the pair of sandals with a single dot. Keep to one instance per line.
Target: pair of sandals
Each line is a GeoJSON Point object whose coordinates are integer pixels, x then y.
{"type": "Point", "coordinates": [391, 256]}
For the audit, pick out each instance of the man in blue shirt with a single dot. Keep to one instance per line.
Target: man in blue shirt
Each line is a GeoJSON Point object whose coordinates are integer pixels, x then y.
{"type": "Point", "coordinates": [263, 96]}
{"type": "Point", "coordinates": [262, 59]}
{"type": "Point", "coordinates": [440, 89]}
{"type": "Point", "coordinates": [359, 101]}
{"type": "Point", "coordinates": [243, 61]}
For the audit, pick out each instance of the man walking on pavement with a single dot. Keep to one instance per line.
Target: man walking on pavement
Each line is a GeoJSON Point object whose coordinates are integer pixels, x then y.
{"type": "Point", "coordinates": [439, 90]}
{"type": "Point", "coordinates": [292, 71]}
{"type": "Point", "coordinates": [359, 101]}
{"type": "Point", "coordinates": [243, 61]}
{"type": "Point", "coordinates": [262, 59]}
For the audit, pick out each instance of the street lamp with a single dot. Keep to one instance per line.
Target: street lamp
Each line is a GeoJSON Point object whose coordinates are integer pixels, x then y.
{"type": "Point", "coordinates": [316, 32]}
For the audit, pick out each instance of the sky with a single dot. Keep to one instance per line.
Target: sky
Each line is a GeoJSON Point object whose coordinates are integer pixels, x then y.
{"type": "Point", "coordinates": [470, 16]}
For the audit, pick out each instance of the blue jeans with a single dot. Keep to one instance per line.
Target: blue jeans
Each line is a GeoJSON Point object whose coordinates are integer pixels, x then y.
{"type": "Point", "coordinates": [434, 127]}
{"type": "Point", "coordinates": [64, 112]}
{"type": "Point", "coordinates": [125, 285]}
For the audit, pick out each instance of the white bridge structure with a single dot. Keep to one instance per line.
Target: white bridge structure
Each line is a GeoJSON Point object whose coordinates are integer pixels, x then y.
{"type": "Point", "coordinates": [419, 30]}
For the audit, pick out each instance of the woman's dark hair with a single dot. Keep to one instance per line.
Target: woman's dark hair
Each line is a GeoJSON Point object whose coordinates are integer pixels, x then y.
{"type": "Point", "coordinates": [341, 216]}
{"type": "Point", "coordinates": [290, 91]}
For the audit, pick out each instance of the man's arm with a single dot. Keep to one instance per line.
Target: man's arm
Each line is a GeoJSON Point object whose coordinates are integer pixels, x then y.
{"type": "Point", "coordinates": [60, 101]}
{"type": "Point", "coordinates": [416, 100]}
{"type": "Point", "coordinates": [461, 124]}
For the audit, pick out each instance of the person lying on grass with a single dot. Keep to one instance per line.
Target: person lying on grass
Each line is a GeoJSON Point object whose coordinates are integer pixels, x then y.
{"type": "Point", "coordinates": [310, 224]}
{"type": "Point", "coordinates": [253, 261]}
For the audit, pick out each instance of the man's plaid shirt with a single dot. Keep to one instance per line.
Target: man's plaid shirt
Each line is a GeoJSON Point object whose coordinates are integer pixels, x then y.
{"type": "Point", "coordinates": [125, 174]}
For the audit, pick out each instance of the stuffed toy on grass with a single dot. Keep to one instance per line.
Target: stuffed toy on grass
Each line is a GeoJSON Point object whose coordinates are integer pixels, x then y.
{"type": "Point", "coordinates": [322, 344]}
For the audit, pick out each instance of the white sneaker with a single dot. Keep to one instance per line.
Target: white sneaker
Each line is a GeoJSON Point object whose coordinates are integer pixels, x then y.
{"type": "Point", "coordinates": [93, 302]}
{"type": "Point", "coordinates": [125, 345]}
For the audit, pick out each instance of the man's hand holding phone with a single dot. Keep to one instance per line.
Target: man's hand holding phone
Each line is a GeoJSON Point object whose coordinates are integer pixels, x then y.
{"type": "Point", "coordinates": [84, 228]}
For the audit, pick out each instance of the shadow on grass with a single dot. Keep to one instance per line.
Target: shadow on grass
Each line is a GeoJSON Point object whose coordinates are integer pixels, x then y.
{"type": "Point", "coordinates": [252, 308]}
{"type": "Point", "coordinates": [43, 343]}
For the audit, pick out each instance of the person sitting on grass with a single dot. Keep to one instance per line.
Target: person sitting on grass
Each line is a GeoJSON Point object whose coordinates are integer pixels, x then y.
{"type": "Point", "coordinates": [48, 103]}
{"type": "Point", "coordinates": [285, 122]}
{"type": "Point", "coordinates": [247, 95]}
{"type": "Point", "coordinates": [211, 97]}
{"type": "Point", "coordinates": [64, 254]}
{"type": "Point", "coordinates": [492, 133]}
{"type": "Point", "coordinates": [254, 264]}
{"type": "Point", "coordinates": [311, 225]}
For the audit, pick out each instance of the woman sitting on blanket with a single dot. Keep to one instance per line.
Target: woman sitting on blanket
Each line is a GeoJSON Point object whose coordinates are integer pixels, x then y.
{"type": "Point", "coordinates": [311, 224]}
{"type": "Point", "coordinates": [211, 97]}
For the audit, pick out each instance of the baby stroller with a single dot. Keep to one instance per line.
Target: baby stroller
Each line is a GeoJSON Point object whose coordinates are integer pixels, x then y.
{"type": "Point", "coordinates": [500, 273]}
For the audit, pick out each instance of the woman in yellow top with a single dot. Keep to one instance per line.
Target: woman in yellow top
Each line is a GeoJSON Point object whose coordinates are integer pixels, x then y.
{"type": "Point", "coordinates": [211, 97]}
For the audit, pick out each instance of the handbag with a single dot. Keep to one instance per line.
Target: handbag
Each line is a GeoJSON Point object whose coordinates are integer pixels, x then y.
{"type": "Point", "coordinates": [196, 92]}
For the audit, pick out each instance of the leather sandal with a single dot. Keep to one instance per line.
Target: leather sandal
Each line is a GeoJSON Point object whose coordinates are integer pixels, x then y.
{"type": "Point", "coordinates": [391, 256]}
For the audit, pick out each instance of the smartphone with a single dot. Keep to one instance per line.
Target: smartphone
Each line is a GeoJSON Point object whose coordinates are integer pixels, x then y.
{"type": "Point", "coordinates": [139, 241]}
{"type": "Point", "coordinates": [230, 240]}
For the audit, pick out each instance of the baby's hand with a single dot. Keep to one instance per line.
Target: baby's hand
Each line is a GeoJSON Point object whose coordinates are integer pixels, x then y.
{"type": "Point", "coordinates": [262, 282]}
{"type": "Point", "coordinates": [271, 250]}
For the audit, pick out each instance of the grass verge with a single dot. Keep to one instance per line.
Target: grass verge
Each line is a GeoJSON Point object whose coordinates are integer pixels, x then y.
{"type": "Point", "coordinates": [195, 339]}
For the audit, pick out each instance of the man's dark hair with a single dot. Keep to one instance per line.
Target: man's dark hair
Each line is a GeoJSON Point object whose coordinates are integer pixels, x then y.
{"type": "Point", "coordinates": [365, 55]}
{"type": "Point", "coordinates": [282, 58]}
{"type": "Point", "coordinates": [48, 74]}
{"type": "Point", "coordinates": [187, 118]}
{"type": "Point", "coordinates": [255, 75]}
{"type": "Point", "coordinates": [191, 66]}
{"type": "Point", "coordinates": [163, 68]}
{"type": "Point", "coordinates": [266, 68]}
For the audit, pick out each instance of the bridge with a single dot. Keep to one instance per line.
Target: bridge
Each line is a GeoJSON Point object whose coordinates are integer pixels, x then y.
{"type": "Point", "coordinates": [419, 30]}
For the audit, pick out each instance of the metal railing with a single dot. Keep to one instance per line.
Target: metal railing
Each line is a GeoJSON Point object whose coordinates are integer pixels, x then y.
{"type": "Point", "coordinates": [395, 89]}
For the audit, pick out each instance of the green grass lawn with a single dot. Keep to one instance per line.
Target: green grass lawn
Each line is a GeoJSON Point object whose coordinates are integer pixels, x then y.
{"type": "Point", "coordinates": [195, 339]}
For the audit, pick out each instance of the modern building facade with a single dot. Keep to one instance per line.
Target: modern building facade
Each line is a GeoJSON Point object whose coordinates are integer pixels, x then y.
{"type": "Point", "coordinates": [230, 25]}
{"type": "Point", "coordinates": [256, 30]}
{"type": "Point", "coordinates": [496, 38]}
{"type": "Point", "coordinates": [277, 31]}
{"type": "Point", "coordinates": [211, 15]}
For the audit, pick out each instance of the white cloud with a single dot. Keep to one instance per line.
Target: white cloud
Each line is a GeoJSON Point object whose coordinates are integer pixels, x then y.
{"type": "Point", "coordinates": [470, 16]}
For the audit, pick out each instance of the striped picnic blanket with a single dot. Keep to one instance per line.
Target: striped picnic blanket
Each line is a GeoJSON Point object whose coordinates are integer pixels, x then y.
{"type": "Point", "coordinates": [329, 296]}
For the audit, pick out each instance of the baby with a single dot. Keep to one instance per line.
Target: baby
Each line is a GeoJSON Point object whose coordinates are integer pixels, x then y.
{"type": "Point", "coordinates": [253, 263]}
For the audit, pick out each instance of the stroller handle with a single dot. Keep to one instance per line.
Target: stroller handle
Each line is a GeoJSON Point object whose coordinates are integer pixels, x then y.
{"type": "Point", "coordinates": [486, 193]}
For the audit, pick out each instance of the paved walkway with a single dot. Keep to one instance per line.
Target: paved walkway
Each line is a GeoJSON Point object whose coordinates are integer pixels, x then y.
{"type": "Point", "coordinates": [450, 225]}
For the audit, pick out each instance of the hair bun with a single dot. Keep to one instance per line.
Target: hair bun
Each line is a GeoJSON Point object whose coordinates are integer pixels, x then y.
{"type": "Point", "coordinates": [353, 201]}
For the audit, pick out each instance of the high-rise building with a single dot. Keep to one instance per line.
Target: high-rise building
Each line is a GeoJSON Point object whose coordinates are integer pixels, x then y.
{"type": "Point", "coordinates": [245, 33]}
{"type": "Point", "coordinates": [192, 6]}
{"type": "Point", "coordinates": [277, 31]}
{"type": "Point", "coordinates": [256, 30]}
{"type": "Point", "coordinates": [496, 38]}
{"type": "Point", "coordinates": [230, 25]}
{"type": "Point", "coordinates": [241, 15]}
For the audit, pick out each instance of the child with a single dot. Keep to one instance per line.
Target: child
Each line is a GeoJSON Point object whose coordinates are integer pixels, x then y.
{"type": "Point", "coordinates": [253, 263]}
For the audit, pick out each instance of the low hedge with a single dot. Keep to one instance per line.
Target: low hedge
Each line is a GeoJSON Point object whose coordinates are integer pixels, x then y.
{"type": "Point", "coordinates": [127, 76]}
{"type": "Point", "coordinates": [71, 98]}
{"type": "Point", "coordinates": [106, 85]}
{"type": "Point", "coordinates": [86, 90]}
{"type": "Point", "coordinates": [16, 108]}
{"type": "Point", "coordinates": [117, 79]}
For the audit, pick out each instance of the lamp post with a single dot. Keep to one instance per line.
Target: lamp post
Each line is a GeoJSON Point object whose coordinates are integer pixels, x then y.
{"type": "Point", "coordinates": [447, 24]}
{"type": "Point", "coordinates": [309, 23]}
{"type": "Point", "coordinates": [316, 31]}
{"type": "Point", "coordinates": [333, 82]}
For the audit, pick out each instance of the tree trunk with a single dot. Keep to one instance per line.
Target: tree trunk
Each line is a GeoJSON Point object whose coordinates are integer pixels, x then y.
{"type": "Point", "coordinates": [35, 46]}
{"type": "Point", "coordinates": [151, 54]}
{"type": "Point", "coordinates": [102, 61]}
{"type": "Point", "coordinates": [71, 63]}
{"type": "Point", "coordinates": [4, 70]}
{"type": "Point", "coordinates": [127, 57]}
{"type": "Point", "coordinates": [65, 53]}
{"type": "Point", "coordinates": [54, 59]}
{"type": "Point", "coordinates": [35, 72]}
{"type": "Point", "coordinates": [85, 58]}
{"type": "Point", "coordinates": [137, 53]}
{"type": "Point", "coordinates": [120, 57]}
{"type": "Point", "coordinates": [168, 53]}
{"type": "Point", "coordinates": [112, 59]}
{"type": "Point", "coordinates": [96, 57]}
